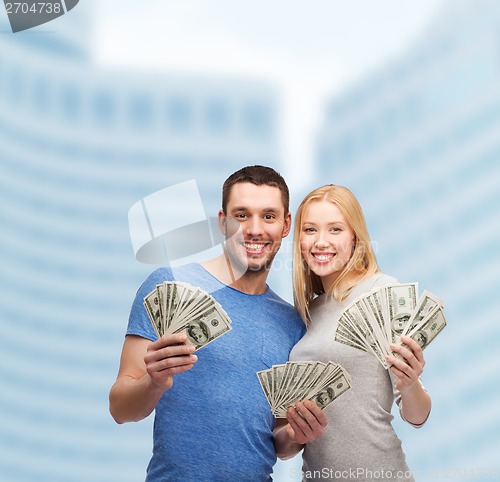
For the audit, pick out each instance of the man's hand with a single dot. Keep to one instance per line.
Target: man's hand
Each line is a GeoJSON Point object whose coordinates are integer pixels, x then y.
{"type": "Point", "coordinates": [146, 372]}
{"type": "Point", "coordinates": [167, 357]}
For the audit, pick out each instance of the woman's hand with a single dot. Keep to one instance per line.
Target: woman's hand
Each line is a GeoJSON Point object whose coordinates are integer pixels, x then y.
{"type": "Point", "coordinates": [416, 402]}
{"type": "Point", "coordinates": [306, 422]}
{"type": "Point", "coordinates": [410, 366]}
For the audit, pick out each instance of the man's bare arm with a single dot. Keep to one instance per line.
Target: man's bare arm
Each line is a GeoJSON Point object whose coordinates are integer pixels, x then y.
{"type": "Point", "coordinates": [146, 372]}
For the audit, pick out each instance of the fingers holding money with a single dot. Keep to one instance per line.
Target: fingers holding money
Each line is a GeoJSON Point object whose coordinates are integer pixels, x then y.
{"type": "Point", "coordinates": [409, 365]}
{"type": "Point", "coordinates": [306, 422]}
{"type": "Point", "coordinates": [380, 318]}
{"type": "Point", "coordinates": [169, 356]}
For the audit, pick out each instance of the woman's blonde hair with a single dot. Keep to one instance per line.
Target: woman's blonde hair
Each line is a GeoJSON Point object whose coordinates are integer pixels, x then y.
{"type": "Point", "coordinates": [362, 264]}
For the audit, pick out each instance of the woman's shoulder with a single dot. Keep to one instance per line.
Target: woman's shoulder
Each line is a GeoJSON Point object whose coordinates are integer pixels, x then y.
{"type": "Point", "coordinates": [373, 282]}
{"type": "Point", "coordinates": [381, 279]}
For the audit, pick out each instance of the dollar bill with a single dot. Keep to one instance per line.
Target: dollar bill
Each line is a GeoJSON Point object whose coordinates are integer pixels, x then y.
{"type": "Point", "coordinates": [152, 305]}
{"type": "Point", "coordinates": [346, 333]}
{"type": "Point", "coordinates": [424, 332]}
{"type": "Point", "coordinates": [175, 307]}
{"type": "Point", "coordinates": [401, 301]}
{"type": "Point", "coordinates": [286, 384]}
{"type": "Point", "coordinates": [426, 305]}
{"type": "Point", "coordinates": [328, 393]}
{"type": "Point", "coordinates": [378, 319]}
{"type": "Point", "coordinates": [265, 379]}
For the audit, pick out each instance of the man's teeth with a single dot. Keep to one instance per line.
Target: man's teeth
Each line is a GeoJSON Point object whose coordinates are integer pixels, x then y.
{"type": "Point", "coordinates": [254, 247]}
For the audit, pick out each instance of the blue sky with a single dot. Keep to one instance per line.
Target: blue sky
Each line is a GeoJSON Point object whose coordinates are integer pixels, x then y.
{"type": "Point", "coordinates": [309, 50]}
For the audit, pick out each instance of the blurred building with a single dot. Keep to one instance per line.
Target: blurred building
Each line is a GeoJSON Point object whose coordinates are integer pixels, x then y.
{"type": "Point", "coordinates": [418, 142]}
{"type": "Point", "coordinates": [79, 145]}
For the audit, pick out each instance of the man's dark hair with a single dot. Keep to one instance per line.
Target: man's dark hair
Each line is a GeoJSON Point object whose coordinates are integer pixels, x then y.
{"type": "Point", "coordinates": [258, 175]}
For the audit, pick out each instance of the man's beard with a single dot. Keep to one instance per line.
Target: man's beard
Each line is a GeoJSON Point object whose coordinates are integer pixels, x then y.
{"type": "Point", "coordinates": [240, 263]}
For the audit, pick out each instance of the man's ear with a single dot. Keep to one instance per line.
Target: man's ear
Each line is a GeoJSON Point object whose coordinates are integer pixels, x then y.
{"type": "Point", "coordinates": [287, 225]}
{"type": "Point", "coordinates": [222, 222]}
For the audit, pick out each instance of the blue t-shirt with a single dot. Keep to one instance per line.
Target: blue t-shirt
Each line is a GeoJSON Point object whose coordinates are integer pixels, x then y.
{"type": "Point", "coordinates": [215, 423]}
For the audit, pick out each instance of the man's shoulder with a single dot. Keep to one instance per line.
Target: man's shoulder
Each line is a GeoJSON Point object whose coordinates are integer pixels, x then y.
{"type": "Point", "coordinates": [166, 273]}
{"type": "Point", "coordinates": [278, 299]}
{"type": "Point", "coordinates": [159, 275]}
{"type": "Point", "coordinates": [284, 308]}
{"type": "Point", "coordinates": [162, 271]}
{"type": "Point", "coordinates": [177, 273]}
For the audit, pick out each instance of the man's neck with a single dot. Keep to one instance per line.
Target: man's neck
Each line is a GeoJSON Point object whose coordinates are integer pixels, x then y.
{"type": "Point", "coordinates": [252, 283]}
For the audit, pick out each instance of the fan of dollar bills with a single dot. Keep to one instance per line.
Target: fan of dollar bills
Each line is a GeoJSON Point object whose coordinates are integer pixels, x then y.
{"type": "Point", "coordinates": [374, 321]}
{"type": "Point", "coordinates": [286, 384]}
{"type": "Point", "coordinates": [175, 307]}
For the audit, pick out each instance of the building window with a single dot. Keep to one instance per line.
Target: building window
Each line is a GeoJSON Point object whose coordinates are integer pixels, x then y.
{"type": "Point", "coordinates": [141, 111]}
{"type": "Point", "coordinates": [179, 115]}
{"type": "Point", "coordinates": [70, 102]}
{"type": "Point", "coordinates": [216, 115]}
{"type": "Point", "coordinates": [257, 120]}
{"type": "Point", "coordinates": [15, 86]}
{"type": "Point", "coordinates": [103, 107]}
{"type": "Point", "coordinates": [41, 95]}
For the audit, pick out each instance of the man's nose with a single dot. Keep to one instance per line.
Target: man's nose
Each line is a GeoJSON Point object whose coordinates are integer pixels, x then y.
{"type": "Point", "coordinates": [255, 226]}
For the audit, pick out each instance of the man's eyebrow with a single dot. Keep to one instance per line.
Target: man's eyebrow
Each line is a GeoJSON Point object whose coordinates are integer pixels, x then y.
{"type": "Point", "coordinates": [238, 208]}
{"type": "Point", "coordinates": [246, 208]}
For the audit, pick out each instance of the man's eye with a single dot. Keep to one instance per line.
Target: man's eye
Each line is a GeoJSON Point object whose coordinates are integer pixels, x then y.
{"type": "Point", "coordinates": [269, 217]}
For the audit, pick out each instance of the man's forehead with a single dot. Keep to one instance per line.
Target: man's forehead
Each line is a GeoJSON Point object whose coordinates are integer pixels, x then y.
{"type": "Point", "coordinates": [245, 195]}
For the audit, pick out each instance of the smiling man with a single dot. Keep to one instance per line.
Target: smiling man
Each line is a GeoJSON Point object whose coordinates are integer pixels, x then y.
{"type": "Point", "coordinates": [210, 406]}
{"type": "Point", "coordinates": [254, 219]}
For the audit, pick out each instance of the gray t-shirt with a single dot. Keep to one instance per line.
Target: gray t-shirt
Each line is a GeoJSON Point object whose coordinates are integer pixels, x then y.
{"type": "Point", "coordinates": [359, 443]}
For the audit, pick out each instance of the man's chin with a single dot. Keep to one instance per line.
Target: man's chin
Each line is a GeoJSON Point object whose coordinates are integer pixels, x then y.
{"type": "Point", "coordinates": [243, 264]}
{"type": "Point", "coordinates": [252, 268]}
{"type": "Point", "coordinates": [258, 266]}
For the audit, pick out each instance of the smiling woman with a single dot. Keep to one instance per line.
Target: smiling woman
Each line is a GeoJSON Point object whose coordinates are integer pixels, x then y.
{"type": "Point", "coordinates": [327, 240]}
{"type": "Point", "coordinates": [332, 248]}
{"type": "Point", "coordinates": [334, 265]}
